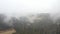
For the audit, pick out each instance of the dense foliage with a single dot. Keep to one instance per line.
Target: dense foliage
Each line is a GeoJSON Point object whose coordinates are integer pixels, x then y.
{"type": "Point", "coordinates": [38, 24]}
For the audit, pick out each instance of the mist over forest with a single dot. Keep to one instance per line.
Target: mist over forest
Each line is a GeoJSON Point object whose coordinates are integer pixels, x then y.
{"type": "Point", "coordinates": [41, 23]}
{"type": "Point", "coordinates": [30, 16]}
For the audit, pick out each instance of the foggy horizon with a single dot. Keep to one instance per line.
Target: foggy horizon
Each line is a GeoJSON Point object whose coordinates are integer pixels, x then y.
{"type": "Point", "coordinates": [29, 16]}
{"type": "Point", "coordinates": [25, 7]}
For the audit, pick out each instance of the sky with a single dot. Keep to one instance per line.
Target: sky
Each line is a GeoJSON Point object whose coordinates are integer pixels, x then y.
{"type": "Point", "coordinates": [25, 7]}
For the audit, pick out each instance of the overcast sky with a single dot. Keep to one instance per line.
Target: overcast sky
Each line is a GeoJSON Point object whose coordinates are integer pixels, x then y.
{"type": "Point", "coordinates": [24, 7]}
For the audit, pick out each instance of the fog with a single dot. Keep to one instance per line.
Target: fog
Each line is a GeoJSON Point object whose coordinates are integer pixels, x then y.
{"type": "Point", "coordinates": [30, 16]}
{"type": "Point", "coordinates": [25, 7]}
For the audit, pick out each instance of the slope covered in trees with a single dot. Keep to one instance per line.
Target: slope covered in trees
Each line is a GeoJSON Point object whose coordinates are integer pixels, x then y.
{"type": "Point", "coordinates": [41, 24]}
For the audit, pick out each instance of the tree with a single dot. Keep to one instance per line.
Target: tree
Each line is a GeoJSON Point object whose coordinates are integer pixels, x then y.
{"type": "Point", "coordinates": [58, 26]}
{"type": "Point", "coordinates": [20, 25]}
{"type": "Point", "coordinates": [3, 25]}
{"type": "Point", "coordinates": [42, 23]}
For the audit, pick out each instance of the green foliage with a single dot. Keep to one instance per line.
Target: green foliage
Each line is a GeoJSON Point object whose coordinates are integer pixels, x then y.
{"type": "Point", "coordinates": [45, 25]}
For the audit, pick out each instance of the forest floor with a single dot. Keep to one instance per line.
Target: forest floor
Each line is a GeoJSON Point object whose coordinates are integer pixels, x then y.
{"type": "Point", "coordinates": [7, 31]}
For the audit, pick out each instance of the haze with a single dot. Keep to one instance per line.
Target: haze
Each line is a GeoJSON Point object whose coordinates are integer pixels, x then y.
{"type": "Point", "coordinates": [24, 7]}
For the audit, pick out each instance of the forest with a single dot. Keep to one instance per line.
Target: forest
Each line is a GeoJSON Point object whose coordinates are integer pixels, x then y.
{"type": "Point", "coordinates": [41, 23]}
